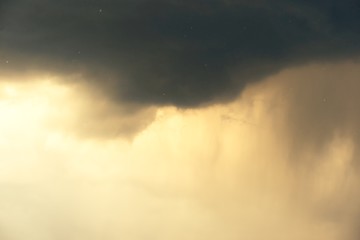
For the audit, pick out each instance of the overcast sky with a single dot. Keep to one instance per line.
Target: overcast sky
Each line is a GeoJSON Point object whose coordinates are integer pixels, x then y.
{"type": "Point", "coordinates": [179, 119]}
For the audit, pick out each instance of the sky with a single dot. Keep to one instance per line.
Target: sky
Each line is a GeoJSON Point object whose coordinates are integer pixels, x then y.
{"type": "Point", "coordinates": [179, 119]}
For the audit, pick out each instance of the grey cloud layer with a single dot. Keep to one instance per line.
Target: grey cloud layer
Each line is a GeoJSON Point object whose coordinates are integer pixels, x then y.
{"type": "Point", "coordinates": [178, 52]}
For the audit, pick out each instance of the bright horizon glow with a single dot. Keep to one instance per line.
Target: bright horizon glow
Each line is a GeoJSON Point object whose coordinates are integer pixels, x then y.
{"type": "Point", "coordinates": [213, 173]}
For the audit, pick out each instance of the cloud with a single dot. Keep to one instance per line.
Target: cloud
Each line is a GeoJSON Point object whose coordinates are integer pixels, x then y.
{"type": "Point", "coordinates": [178, 52]}
{"type": "Point", "coordinates": [72, 108]}
{"type": "Point", "coordinates": [283, 158]}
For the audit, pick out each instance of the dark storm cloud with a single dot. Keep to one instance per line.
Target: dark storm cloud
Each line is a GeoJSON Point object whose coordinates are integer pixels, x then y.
{"type": "Point", "coordinates": [179, 52]}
